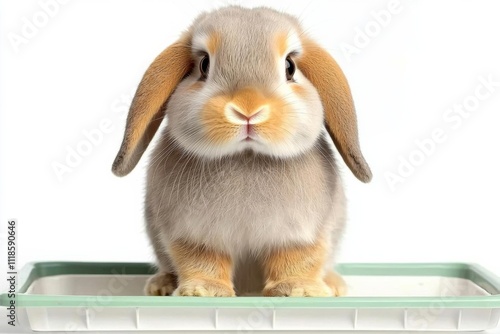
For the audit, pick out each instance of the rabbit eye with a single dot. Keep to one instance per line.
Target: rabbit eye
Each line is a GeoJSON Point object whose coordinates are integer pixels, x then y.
{"type": "Point", "coordinates": [290, 68]}
{"type": "Point", "coordinates": [204, 66]}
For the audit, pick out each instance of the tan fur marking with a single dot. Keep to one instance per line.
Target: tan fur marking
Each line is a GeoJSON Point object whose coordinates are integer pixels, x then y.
{"type": "Point", "coordinates": [279, 125]}
{"type": "Point", "coordinates": [281, 43]}
{"type": "Point", "coordinates": [296, 271]}
{"type": "Point", "coordinates": [196, 86]}
{"type": "Point", "coordinates": [340, 117]}
{"type": "Point", "coordinates": [217, 128]}
{"type": "Point", "coordinates": [213, 42]}
{"type": "Point", "coordinates": [299, 261]}
{"type": "Point", "coordinates": [248, 100]}
{"type": "Point", "coordinates": [300, 90]}
{"type": "Point", "coordinates": [201, 271]}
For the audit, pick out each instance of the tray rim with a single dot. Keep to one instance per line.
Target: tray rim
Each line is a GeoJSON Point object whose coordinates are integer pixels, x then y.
{"type": "Point", "coordinates": [479, 275]}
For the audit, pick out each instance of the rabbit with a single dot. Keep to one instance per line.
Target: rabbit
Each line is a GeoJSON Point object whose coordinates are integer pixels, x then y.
{"type": "Point", "coordinates": [243, 192]}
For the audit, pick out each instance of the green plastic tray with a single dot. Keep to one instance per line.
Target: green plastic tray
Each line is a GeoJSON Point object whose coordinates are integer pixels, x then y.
{"type": "Point", "coordinates": [457, 312]}
{"type": "Point", "coordinates": [472, 272]}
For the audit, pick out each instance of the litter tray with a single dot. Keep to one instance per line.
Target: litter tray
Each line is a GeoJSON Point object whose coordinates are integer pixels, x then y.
{"type": "Point", "coordinates": [71, 296]}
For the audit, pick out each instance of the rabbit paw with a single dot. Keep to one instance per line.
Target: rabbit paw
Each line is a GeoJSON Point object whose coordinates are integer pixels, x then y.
{"type": "Point", "coordinates": [336, 283]}
{"type": "Point", "coordinates": [205, 288]}
{"type": "Point", "coordinates": [161, 284]}
{"type": "Point", "coordinates": [298, 288]}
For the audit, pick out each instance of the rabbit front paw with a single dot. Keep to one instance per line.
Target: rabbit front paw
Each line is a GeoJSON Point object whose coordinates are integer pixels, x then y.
{"type": "Point", "coordinates": [205, 288]}
{"type": "Point", "coordinates": [161, 284]}
{"type": "Point", "coordinates": [298, 288]}
{"type": "Point", "coordinates": [336, 283]}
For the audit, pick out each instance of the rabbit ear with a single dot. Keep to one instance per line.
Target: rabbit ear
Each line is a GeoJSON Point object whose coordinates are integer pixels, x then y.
{"type": "Point", "coordinates": [340, 116]}
{"type": "Point", "coordinates": [147, 109]}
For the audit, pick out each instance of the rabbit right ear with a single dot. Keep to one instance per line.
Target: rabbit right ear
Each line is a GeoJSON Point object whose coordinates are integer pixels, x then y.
{"type": "Point", "coordinates": [146, 111]}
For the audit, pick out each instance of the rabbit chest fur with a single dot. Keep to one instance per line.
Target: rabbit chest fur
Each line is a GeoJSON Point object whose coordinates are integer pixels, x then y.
{"type": "Point", "coordinates": [243, 204]}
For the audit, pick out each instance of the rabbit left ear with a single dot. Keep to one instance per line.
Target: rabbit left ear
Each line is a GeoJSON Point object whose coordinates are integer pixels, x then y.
{"type": "Point", "coordinates": [146, 111]}
{"type": "Point", "coordinates": [340, 116]}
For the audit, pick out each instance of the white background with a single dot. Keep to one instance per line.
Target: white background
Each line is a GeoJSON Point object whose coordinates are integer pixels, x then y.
{"type": "Point", "coordinates": [82, 66]}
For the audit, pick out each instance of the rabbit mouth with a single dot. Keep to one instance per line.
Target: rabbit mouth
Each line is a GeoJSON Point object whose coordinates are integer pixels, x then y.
{"type": "Point", "coordinates": [249, 138]}
{"type": "Point", "coordinates": [251, 141]}
{"type": "Point", "coordinates": [249, 132]}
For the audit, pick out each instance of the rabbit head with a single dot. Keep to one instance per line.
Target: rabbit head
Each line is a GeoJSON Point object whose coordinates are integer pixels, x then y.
{"type": "Point", "coordinates": [244, 80]}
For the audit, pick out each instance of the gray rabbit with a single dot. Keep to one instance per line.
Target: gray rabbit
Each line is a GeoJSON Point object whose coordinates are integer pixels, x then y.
{"type": "Point", "coordinates": [243, 192]}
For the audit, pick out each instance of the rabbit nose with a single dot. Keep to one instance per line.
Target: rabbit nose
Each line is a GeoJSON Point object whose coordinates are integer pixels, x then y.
{"type": "Point", "coordinates": [238, 116]}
